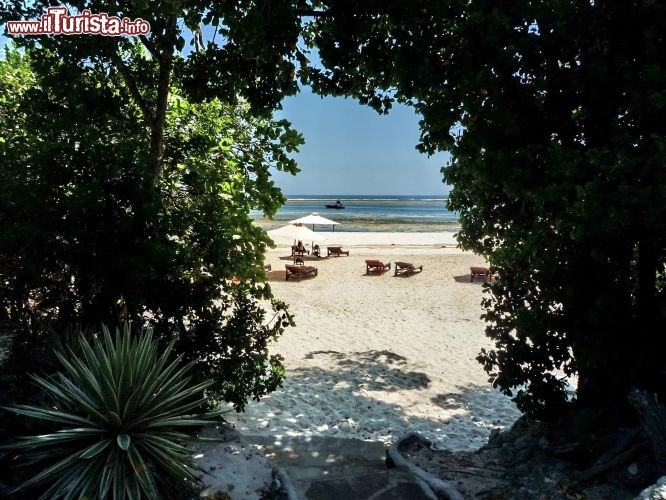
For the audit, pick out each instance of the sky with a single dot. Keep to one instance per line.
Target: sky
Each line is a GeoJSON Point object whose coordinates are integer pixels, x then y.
{"type": "Point", "coordinates": [350, 149]}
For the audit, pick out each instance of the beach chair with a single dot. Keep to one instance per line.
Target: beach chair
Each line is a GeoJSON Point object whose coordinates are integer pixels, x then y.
{"type": "Point", "coordinates": [406, 268]}
{"type": "Point", "coordinates": [337, 251]}
{"type": "Point", "coordinates": [316, 251]}
{"type": "Point", "coordinates": [299, 249]}
{"type": "Point", "coordinates": [299, 271]}
{"type": "Point", "coordinates": [481, 272]}
{"type": "Point", "coordinates": [376, 266]}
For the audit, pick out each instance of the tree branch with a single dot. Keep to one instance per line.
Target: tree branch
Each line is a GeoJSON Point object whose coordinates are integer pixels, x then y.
{"type": "Point", "coordinates": [149, 45]}
{"type": "Point", "coordinates": [157, 127]}
{"type": "Point", "coordinates": [130, 82]}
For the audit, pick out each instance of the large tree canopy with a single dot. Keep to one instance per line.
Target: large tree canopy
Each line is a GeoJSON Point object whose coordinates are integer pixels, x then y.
{"type": "Point", "coordinates": [554, 114]}
{"type": "Point", "coordinates": [91, 233]}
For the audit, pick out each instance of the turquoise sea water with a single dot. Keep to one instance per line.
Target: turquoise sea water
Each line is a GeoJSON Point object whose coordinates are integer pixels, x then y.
{"type": "Point", "coordinates": [368, 213]}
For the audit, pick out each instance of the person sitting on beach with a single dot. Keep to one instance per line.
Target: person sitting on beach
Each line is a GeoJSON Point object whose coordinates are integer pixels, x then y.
{"type": "Point", "coordinates": [300, 248]}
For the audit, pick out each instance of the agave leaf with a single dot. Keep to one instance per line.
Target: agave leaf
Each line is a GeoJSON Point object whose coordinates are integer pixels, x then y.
{"type": "Point", "coordinates": [117, 465]}
{"type": "Point", "coordinates": [164, 401]}
{"type": "Point", "coordinates": [51, 415]}
{"type": "Point", "coordinates": [145, 351]}
{"type": "Point", "coordinates": [175, 464]}
{"type": "Point", "coordinates": [63, 390]}
{"type": "Point", "coordinates": [166, 367]}
{"type": "Point", "coordinates": [108, 386]}
{"type": "Point", "coordinates": [159, 438]}
{"type": "Point", "coordinates": [72, 362]}
{"type": "Point", "coordinates": [114, 420]}
{"type": "Point", "coordinates": [174, 437]}
{"type": "Point", "coordinates": [169, 401]}
{"type": "Point", "coordinates": [59, 438]}
{"type": "Point", "coordinates": [106, 476]}
{"type": "Point", "coordinates": [95, 470]}
{"type": "Point", "coordinates": [87, 383]}
{"type": "Point", "coordinates": [171, 388]}
{"type": "Point", "coordinates": [177, 421]}
{"type": "Point", "coordinates": [143, 473]}
{"type": "Point", "coordinates": [175, 459]}
{"type": "Point", "coordinates": [85, 377]}
{"type": "Point", "coordinates": [130, 406]}
{"type": "Point", "coordinates": [90, 358]}
{"type": "Point", "coordinates": [95, 449]}
{"type": "Point", "coordinates": [123, 441]}
{"type": "Point", "coordinates": [167, 445]}
{"type": "Point", "coordinates": [54, 388]}
{"type": "Point", "coordinates": [77, 481]}
{"type": "Point", "coordinates": [124, 385]}
{"type": "Point", "coordinates": [107, 380]}
{"type": "Point", "coordinates": [82, 401]}
{"type": "Point", "coordinates": [179, 402]}
{"type": "Point", "coordinates": [159, 381]}
{"type": "Point", "coordinates": [118, 477]}
{"type": "Point", "coordinates": [51, 472]}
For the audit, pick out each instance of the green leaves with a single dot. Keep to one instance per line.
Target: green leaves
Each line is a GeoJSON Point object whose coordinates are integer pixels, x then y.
{"type": "Point", "coordinates": [89, 233]}
{"type": "Point", "coordinates": [118, 401]}
{"type": "Point", "coordinates": [553, 115]}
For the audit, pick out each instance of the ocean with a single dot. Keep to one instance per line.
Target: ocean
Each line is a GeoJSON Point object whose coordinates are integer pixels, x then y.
{"type": "Point", "coordinates": [368, 213]}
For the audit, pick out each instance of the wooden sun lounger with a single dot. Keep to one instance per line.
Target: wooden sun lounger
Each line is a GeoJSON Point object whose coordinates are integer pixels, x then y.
{"type": "Point", "coordinates": [299, 271]}
{"type": "Point", "coordinates": [481, 272]}
{"type": "Point", "coordinates": [296, 250]}
{"type": "Point", "coordinates": [337, 251]}
{"type": "Point", "coordinates": [376, 266]}
{"type": "Point", "coordinates": [406, 268]}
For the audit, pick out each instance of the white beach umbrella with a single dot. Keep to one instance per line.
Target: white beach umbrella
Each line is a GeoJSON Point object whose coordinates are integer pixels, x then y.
{"type": "Point", "coordinates": [314, 219]}
{"type": "Point", "coordinates": [293, 232]}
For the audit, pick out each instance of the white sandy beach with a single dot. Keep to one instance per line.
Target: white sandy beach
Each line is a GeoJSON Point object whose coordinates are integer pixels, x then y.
{"type": "Point", "coordinates": [374, 357]}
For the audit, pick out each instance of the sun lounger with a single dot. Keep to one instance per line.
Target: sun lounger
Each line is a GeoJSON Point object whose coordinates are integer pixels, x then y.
{"type": "Point", "coordinates": [406, 268]}
{"type": "Point", "coordinates": [481, 272]}
{"type": "Point", "coordinates": [299, 271]}
{"type": "Point", "coordinates": [337, 251]}
{"type": "Point", "coordinates": [376, 266]}
{"type": "Point", "coordinates": [299, 249]}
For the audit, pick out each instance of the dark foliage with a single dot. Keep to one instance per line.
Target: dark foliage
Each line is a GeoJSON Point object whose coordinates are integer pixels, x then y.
{"type": "Point", "coordinates": [89, 235]}
{"type": "Point", "coordinates": [554, 114]}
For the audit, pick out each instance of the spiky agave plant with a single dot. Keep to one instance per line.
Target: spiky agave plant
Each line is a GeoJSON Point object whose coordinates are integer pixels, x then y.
{"type": "Point", "coordinates": [118, 402]}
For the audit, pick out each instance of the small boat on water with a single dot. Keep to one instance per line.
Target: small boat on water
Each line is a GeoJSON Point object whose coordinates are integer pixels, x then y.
{"type": "Point", "coordinates": [337, 204]}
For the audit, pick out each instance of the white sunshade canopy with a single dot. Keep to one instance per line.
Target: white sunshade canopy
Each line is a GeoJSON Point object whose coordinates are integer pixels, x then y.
{"type": "Point", "coordinates": [294, 232]}
{"type": "Point", "coordinates": [315, 219]}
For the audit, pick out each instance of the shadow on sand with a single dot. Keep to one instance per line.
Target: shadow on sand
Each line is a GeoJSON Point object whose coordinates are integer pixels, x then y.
{"type": "Point", "coordinates": [346, 402]}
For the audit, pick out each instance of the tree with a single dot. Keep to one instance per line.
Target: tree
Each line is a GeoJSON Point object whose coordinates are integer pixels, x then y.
{"type": "Point", "coordinates": [553, 112]}
{"type": "Point", "coordinates": [89, 235]}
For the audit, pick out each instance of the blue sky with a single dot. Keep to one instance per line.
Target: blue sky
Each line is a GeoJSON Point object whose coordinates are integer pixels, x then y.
{"type": "Point", "coordinates": [350, 149]}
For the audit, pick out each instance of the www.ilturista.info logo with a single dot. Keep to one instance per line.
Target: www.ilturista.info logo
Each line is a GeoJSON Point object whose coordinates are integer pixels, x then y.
{"type": "Point", "coordinates": [56, 21]}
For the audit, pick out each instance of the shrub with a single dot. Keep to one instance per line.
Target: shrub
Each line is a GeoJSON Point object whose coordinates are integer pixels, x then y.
{"type": "Point", "coordinates": [115, 405]}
